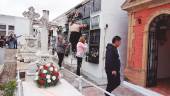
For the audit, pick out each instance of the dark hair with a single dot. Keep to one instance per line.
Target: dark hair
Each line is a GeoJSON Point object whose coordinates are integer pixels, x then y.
{"type": "Point", "coordinates": [116, 38]}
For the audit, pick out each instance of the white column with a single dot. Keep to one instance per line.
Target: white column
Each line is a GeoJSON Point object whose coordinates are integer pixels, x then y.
{"type": "Point", "coordinates": [7, 30]}
{"type": "Point", "coordinates": [30, 26]}
{"type": "Point", "coordinates": [44, 40]}
{"type": "Point", "coordinates": [55, 32]}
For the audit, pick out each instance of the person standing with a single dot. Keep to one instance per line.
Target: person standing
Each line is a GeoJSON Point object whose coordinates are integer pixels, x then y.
{"type": "Point", "coordinates": [7, 41]}
{"type": "Point", "coordinates": [112, 65]}
{"type": "Point", "coordinates": [81, 49]}
{"type": "Point", "coordinates": [60, 49]}
{"type": "Point", "coordinates": [1, 42]}
{"type": "Point", "coordinates": [15, 41]}
{"type": "Point", "coordinates": [75, 35]}
{"type": "Point", "coordinates": [11, 41]}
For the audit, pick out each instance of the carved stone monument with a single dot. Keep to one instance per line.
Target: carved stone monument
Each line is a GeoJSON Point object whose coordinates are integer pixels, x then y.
{"type": "Point", "coordinates": [45, 25]}
{"type": "Point", "coordinates": [31, 52]}
{"type": "Point", "coordinates": [27, 52]}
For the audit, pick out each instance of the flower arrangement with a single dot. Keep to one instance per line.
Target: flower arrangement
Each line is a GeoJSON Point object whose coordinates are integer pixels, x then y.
{"type": "Point", "coordinates": [47, 75]}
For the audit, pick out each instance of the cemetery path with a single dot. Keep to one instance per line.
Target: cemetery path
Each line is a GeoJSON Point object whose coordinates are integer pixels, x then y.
{"type": "Point", "coordinates": [7, 57]}
{"type": "Point", "coordinates": [2, 52]}
{"type": "Point", "coordinates": [9, 71]}
{"type": "Point", "coordinates": [89, 90]}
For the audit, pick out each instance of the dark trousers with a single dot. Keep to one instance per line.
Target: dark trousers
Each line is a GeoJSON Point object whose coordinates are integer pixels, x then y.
{"type": "Point", "coordinates": [1, 44]}
{"type": "Point", "coordinates": [15, 44]}
{"type": "Point", "coordinates": [53, 51]}
{"type": "Point", "coordinates": [113, 81]}
{"type": "Point", "coordinates": [79, 62]}
{"type": "Point", "coordinates": [60, 57]}
{"type": "Point", "coordinates": [74, 38]}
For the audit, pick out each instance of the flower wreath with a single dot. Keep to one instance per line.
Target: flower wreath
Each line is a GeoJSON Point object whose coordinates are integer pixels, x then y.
{"type": "Point", "coordinates": [47, 75]}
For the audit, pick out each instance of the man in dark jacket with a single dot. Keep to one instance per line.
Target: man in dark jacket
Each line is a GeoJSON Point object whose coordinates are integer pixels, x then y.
{"type": "Point", "coordinates": [112, 64]}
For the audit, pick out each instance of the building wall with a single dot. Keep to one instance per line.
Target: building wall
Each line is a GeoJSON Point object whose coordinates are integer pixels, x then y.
{"type": "Point", "coordinates": [61, 20]}
{"type": "Point", "coordinates": [139, 33]}
{"type": "Point", "coordinates": [117, 22]}
{"type": "Point", "coordinates": [136, 69]}
{"type": "Point", "coordinates": [111, 14]}
{"type": "Point", "coordinates": [7, 20]}
{"type": "Point", "coordinates": [21, 25]}
{"type": "Point", "coordinates": [116, 19]}
{"type": "Point", "coordinates": [22, 28]}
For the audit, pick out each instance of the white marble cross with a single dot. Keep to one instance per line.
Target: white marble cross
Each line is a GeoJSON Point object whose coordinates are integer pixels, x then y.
{"type": "Point", "coordinates": [31, 15]}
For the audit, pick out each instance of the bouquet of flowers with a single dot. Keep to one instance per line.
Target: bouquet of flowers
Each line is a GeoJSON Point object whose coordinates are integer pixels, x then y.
{"type": "Point", "coordinates": [47, 75]}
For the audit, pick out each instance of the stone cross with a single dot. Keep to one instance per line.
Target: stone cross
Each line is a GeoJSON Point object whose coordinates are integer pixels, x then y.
{"type": "Point", "coordinates": [31, 15]}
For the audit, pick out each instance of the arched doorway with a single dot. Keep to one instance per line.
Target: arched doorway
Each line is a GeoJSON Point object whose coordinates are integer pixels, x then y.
{"type": "Point", "coordinates": [158, 64]}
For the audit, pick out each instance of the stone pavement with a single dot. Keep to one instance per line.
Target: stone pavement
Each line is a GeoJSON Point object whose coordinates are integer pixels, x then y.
{"type": "Point", "coordinates": [9, 72]}
{"type": "Point", "coordinates": [2, 52]}
{"type": "Point", "coordinates": [89, 90]}
{"type": "Point", "coordinates": [9, 65]}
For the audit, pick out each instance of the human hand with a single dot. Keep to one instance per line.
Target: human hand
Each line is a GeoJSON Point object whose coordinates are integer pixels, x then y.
{"type": "Point", "coordinates": [114, 73]}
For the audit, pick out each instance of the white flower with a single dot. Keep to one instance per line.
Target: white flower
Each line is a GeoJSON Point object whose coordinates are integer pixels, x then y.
{"type": "Point", "coordinates": [49, 81]}
{"type": "Point", "coordinates": [48, 76]}
{"type": "Point", "coordinates": [36, 78]}
{"type": "Point", "coordinates": [36, 73]}
{"type": "Point", "coordinates": [51, 68]}
{"type": "Point", "coordinates": [56, 69]}
{"type": "Point", "coordinates": [44, 71]}
{"type": "Point", "coordinates": [48, 65]}
{"type": "Point", "coordinates": [41, 67]}
{"type": "Point", "coordinates": [54, 77]}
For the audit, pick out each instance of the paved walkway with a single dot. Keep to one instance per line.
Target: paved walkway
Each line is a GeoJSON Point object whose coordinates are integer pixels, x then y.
{"type": "Point", "coordinates": [2, 52]}
{"type": "Point", "coordinates": [89, 90]}
{"type": "Point", "coordinates": [9, 72]}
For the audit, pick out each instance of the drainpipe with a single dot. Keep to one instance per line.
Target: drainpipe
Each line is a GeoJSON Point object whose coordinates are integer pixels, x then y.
{"type": "Point", "coordinates": [104, 47]}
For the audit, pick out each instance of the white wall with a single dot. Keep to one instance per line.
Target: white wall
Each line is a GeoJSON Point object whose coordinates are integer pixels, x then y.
{"type": "Point", "coordinates": [21, 28]}
{"type": "Point", "coordinates": [21, 25]}
{"type": "Point", "coordinates": [164, 58]}
{"type": "Point", "coordinates": [61, 20]}
{"type": "Point", "coordinates": [117, 21]}
{"type": "Point", "coordinates": [7, 20]}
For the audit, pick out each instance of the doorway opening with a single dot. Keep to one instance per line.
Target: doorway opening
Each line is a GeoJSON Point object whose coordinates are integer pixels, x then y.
{"type": "Point", "coordinates": [158, 68]}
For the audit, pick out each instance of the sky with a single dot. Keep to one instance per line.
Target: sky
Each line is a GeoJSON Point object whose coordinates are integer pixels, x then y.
{"type": "Point", "coordinates": [56, 7]}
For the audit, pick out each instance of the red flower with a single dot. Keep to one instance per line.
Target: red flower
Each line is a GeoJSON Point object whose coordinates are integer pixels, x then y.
{"type": "Point", "coordinates": [41, 82]}
{"type": "Point", "coordinates": [56, 74]}
{"type": "Point", "coordinates": [45, 67]}
{"type": "Point", "coordinates": [42, 75]}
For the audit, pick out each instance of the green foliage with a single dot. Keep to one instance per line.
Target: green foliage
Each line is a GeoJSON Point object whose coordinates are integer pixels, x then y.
{"type": "Point", "coordinates": [8, 88]}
